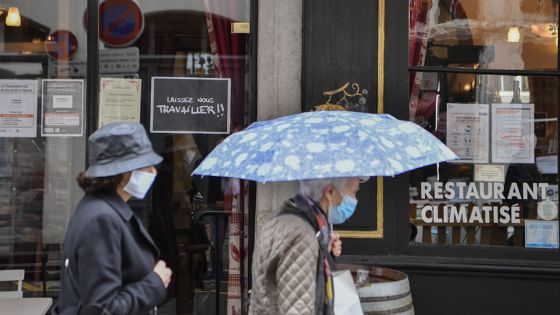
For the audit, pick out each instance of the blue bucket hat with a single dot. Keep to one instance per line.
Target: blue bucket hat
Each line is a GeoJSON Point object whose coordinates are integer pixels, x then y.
{"type": "Point", "coordinates": [118, 148]}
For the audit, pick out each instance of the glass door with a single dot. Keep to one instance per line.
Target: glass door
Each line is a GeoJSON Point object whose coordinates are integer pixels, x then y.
{"type": "Point", "coordinates": [186, 63]}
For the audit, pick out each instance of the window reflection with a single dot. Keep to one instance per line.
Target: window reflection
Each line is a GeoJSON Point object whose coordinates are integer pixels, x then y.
{"type": "Point", "coordinates": [487, 34]}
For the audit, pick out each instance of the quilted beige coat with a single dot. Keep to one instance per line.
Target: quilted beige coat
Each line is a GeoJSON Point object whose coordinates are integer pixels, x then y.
{"type": "Point", "coordinates": [284, 268]}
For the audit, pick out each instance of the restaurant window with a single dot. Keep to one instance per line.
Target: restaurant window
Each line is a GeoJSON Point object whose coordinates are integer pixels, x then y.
{"type": "Point", "coordinates": [42, 135]}
{"type": "Point", "coordinates": [157, 61]}
{"type": "Point", "coordinates": [484, 80]}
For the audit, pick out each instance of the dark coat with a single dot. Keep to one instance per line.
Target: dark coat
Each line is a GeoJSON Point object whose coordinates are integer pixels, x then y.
{"type": "Point", "coordinates": [108, 259]}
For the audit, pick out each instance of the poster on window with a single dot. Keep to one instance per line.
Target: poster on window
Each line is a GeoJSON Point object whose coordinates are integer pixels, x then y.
{"type": "Point", "coordinates": [62, 107]}
{"type": "Point", "coordinates": [513, 135]}
{"type": "Point", "coordinates": [468, 132]}
{"type": "Point", "coordinates": [119, 100]}
{"type": "Point", "coordinates": [541, 234]}
{"type": "Point", "coordinates": [190, 105]}
{"type": "Point", "coordinates": [18, 108]}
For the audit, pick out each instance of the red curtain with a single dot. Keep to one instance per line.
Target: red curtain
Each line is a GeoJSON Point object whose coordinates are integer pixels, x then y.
{"type": "Point", "coordinates": [418, 42]}
{"type": "Point", "coordinates": [228, 53]}
{"type": "Point", "coordinates": [229, 57]}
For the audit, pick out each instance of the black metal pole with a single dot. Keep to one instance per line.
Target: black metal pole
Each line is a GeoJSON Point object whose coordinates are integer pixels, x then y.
{"type": "Point", "coordinates": [557, 77]}
{"type": "Point", "coordinates": [92, 81]}
{"type": "Point", "coordinates": [254, 14]}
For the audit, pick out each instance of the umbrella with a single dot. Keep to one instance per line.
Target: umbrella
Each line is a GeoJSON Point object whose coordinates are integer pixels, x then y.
{"type": "Point", "coordinates": [324, 144]}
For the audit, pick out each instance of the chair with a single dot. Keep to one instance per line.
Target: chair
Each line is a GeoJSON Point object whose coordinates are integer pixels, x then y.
{"type": "Point", "coordinates": [12, 275]}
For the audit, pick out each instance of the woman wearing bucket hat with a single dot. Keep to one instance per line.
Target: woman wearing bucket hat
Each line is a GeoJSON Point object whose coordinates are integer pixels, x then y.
{"type": "Point", "coordinates": [109, 259]}
{"type": "Point", "coordinates": [291, 263]}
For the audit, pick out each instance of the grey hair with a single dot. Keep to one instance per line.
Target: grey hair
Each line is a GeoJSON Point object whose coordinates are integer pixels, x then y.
{"type": "Point", "coordinates": [313, 188]}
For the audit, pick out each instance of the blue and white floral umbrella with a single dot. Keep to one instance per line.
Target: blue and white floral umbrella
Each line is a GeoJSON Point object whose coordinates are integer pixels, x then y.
{"type": "Point", "coordinates": [324, 144]}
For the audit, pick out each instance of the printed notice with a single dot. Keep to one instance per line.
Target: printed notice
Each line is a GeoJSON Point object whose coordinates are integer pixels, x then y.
{"type": "Point", "coordinates": [190, 105]}
{"type": "Point", "coordinates": [513, 133]}
{"type": "Point", "coordinates": [489, 173]}
{"type": "Point", "coordinates": [468, 132]}
{"type": "Point", "coordinates": [18, 108]}
{"type": "Point", "coordinates": [63, 106]}
{"type": "Point", "coordinates": [119, 100]}
{"type": "Point", "coordinates": [541, 234]}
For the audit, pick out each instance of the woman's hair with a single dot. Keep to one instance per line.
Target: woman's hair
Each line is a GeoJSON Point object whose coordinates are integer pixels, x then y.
{"type": "Point", "coordinates": [98, 184]}
{"type": "Point", "coordinates": [313, 188]}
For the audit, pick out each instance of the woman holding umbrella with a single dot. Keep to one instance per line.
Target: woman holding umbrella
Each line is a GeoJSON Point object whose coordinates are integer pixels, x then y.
{"type": "Point", "coordinates": [292, 262]}
{"type": "Point", "coordinates": [328, 152]}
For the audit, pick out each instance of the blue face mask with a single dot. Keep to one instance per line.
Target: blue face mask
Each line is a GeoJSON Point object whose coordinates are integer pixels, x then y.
{"type": "Point", "coordinates": [339, 214]}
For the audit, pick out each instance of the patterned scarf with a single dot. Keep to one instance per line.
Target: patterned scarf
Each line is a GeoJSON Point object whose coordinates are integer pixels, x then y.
{"type": "Point", "coordinates": [314, 215]}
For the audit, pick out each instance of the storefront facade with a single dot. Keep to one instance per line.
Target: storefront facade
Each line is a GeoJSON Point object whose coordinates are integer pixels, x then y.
{"type": "Point", "coordinates": [478, 235]}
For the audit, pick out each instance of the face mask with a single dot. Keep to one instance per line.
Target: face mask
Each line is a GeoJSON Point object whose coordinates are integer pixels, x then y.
{"type": "Point", "coordinates": [339, 214]}
{"type": "Point", "coordinates": [139, 183]}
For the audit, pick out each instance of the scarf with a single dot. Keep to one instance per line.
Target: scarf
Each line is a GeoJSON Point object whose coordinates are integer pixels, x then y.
{"type": "Point", "coordinates": [314, 215]}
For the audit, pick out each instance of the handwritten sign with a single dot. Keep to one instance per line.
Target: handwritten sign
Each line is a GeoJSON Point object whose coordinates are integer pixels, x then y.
{"type": "Point", "coordinates": [190, 105]}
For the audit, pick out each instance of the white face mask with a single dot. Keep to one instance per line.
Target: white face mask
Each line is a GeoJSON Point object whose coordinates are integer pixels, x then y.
{"type": "Point", "coordinates": [139, 183]}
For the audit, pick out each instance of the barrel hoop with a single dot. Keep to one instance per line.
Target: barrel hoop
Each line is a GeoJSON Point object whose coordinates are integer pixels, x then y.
{"type": "Point", "coordinates": [393, 311]}
{"type": "Point", "coordinates": [370, 299]}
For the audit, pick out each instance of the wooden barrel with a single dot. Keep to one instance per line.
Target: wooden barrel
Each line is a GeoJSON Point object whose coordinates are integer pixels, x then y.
{"type": "Point", "coordinates": [387, 291]}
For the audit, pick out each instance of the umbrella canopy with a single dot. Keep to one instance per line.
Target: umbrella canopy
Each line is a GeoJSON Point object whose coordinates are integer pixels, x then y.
{"type": "Point", "coordinates": [324, 144]}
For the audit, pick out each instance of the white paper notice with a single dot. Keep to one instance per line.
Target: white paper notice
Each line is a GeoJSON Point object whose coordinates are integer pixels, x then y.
{"type": "Point", "coordinates": [62, 101]}
{"type": "Point", "coordinates": [541, 234]}
{"type": "Point", "coordinates": [489, 173]}
{"type": "Point", "coordinates": [63, 107]}
{"type": "Point", "coordinates": [18, 108]}
{"type": "Point", "coordinates": [119, 100]}
{"type": "Point", "coordinates": [468, 132]}
{"type": "Point", "coordinates": [513, 133]}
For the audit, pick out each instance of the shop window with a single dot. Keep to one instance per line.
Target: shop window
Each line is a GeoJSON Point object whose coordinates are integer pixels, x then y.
{"type": "Point", "coordinates": [42, 136]}
{"type": "Point", "coordinates": [498, 114]}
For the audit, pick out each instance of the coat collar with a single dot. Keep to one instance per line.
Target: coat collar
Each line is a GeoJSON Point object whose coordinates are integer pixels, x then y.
{"type": "Point", "coordinates": [123, 209]}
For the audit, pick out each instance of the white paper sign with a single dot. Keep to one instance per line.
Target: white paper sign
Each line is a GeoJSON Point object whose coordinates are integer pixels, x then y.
{"type": "Point", "coordinates": [18, 108]}
{"type": "Point", "coordinates": [468, 132]}
{"type": "Point", "coordinates": [513, 137]}
{"type": "Point", "coordinates": [541, 234]}
{"type": "Point", "coordinates": [119, 100]}
{"type": "Point", "coordinates": [62, 101]}
{"type": "Point", "coordinates": [62, 107]}
{"type": "Point", "coordinates": [489, 173]}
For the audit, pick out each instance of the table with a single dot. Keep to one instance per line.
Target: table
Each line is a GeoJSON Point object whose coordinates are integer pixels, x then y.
{"type": "Point", "coordinates": [25, 306]}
